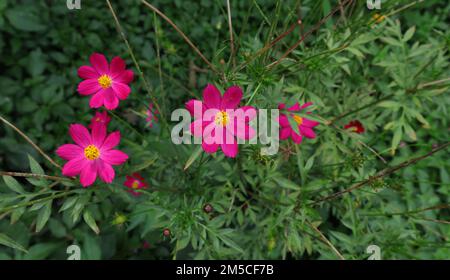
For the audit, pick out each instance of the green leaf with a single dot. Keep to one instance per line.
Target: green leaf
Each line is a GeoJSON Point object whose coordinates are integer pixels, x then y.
{"type": "Point", "coordinates": [43, 215]}
{"type": "Point", "coordinates": [396, 139]}
{"type": "Point", "coordinates": [13, 184]}
{"type": "Point", "coordinates": [409, 33]}
{"type": "Point", "coordinates": [90, 221]}
{"type": "Point", "coordinates": [22, 19]}
{"type": "Point", "coordinates": [288, 184]}
{"type": "Point", "coordinates": [36, 169]}
{"type": "Point", "coordinates": [193, 157]}
{"type": "Point", "coordinates": [7, 241]}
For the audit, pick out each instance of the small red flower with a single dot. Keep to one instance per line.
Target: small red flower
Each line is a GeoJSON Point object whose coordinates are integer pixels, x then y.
{"type": "Point", "coordinates": [135, 182]}
{"type": "Point", "coordinates": [100, 118]}
{"type": "Point", "coordinates": [355, 126]}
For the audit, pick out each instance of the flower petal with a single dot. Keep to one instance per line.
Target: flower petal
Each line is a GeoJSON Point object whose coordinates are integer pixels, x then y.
{"type": "Point", "coordinates": [196, 128]}
{"type": "Point", "coordinates": [111, 141]}
{"type": "Point", "coordinates": [121, 90]}
{"type": "Point", "coordinates": [295, 107]}
{"type": "Point", "coordinates": [98, 134]}
{"type": "Point", "coordinates": [73, 167]}
{"type": "Point", "coordinates": [285, 133]}
{"type": "Point", "coordinates": [110, 99]}
{"type": "Point", "coordinates": [80, 135]}
{"type": "Point", "coordinates": [309, 123]}
{"type": "Point", "coordinates": [211, 97]}
{"type": "Point", "coordinates": [69, 151]}
{"type": "Point", "coordinates": [116, 67]}
{"type": "Point", "coordinates": [210, 148]}
{"type": "Point", "coordinates": [100, 64]}
{"type": "Point", "coordinates": [88, 174]}
{"type": "Point", "coordinates": [106, 172]}
{"type": "Point", "coordinates": [231, 98]}
{"type": "Point", "coordinates": [196, 108]}
{"type": "Point", "coordinates": [87, 72]}
{"type": "Point", "coordinates": [245, 132]}
{"type": "Point", "coordinates": [307, 132]}
{"type": "Point", "coordinates": [296, 138]}
{"type": "Point", "coordinates": [114, 157]}
{"type": "Point", "coordinates": [284, 122]}
{"type": "Point", "coordinates": [88, 87]}
{"type": "Point", "coordinates": [307, 104]}
{"type": "Point", "coordinates": [230, 149]}
{"type": "Point", "coordinates": [97, 100]}
{"type": "Point", "coordinates": [125, 77]}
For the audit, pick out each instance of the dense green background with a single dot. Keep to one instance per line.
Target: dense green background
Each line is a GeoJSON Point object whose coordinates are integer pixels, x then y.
{"type": "Point", "coordinates": [42, 44]}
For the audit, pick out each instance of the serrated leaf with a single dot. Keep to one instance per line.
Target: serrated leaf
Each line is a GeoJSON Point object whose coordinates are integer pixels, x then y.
{"type": "Point", "coordinates": [9, 242]}
{"type": "Point", "coordinates": [13, 185]}
{"type": "Point", "coordinates": [43, 216]}
{"type": "Point", "coordinates": [87, 217]}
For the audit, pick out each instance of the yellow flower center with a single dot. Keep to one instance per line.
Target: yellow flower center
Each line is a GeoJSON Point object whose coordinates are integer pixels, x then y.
{"type": "Point", "coordinates": [91, 152]}
{"type": "Point", "coordinates": [378, 18]}
{"type": "Point", "coordinates": [135, 184]}
{"type": "Point", "coordinates": [298, 119]}
{"type": "Point", "coordinates": [105, 81]}
{"type": "Point", "coordinates": [221, 118]}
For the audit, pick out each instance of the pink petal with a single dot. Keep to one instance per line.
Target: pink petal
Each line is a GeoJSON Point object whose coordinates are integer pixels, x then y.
{"type": "Point", "coordinates": [283, 120]}
{"type": "Point", "coordinates": [97, 100]}
{"type": "Point", "coordinates": [100, 64]}
{"type": "Point", "coordinates": [245, 132]}
{"type": "Point", "coordinates": [125, 77]}
{"type": "Point", "coordinates": [307, 104]}
{"type": "Point", "coordinates": [281, 106]}
{"type": "Point", "coordinates": [285, 133]}
{"type": "Point", "coordinates": [297, 138]}
{"type": "Point", "coordinates": [80, 135]}
{"type": "Point", "coordinates": [116, 67]}
{"type": "Point", "coordinates": [210, 148]}
{"type": "Point", "coordinates": [69, 151]}
{"type": "Point", "coordinates": [295, 107]}
{"type": "Point", "coordinates": [309, 123]}
{"type": "Point", "coordinates": [196, 128]}
{"type": "Point", "coordinates": [87, 72]}
{"type": "Point", "coordinates": [250, 111]}
{"type": "Point", "coordinates": [111, 141]}
{"type": "Point", "coordinates": [74, 166]}
{"type": "Point", "coordinates": [114, 157]}
{"type": "Point", "coordinates": [106, 172]}
{"type": "Point", "coordinates": [230, 149]}
{"type": "Point", "coordinates": [307, 132]}
{"type": "Point", "coordinates": [88, 174]}
{"type": "Point", "coordinates": [110, 101]}
{"type": "Point", "coordinates": [196, 108]}
{"type": "Point", "coordinates": [211, 97]}
{"type": "Point", "coordinates": [88, 87]}
{"type": "Point", "coordinates": [98, 134]}
{"type": "Point", "coordinates": [121, 90]}
{"type": "Point", "coordinates": [231, 98]}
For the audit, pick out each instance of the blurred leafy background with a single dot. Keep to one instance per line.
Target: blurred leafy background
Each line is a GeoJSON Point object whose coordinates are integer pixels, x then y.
{"type": "Point", "coordinates": [393, 72]}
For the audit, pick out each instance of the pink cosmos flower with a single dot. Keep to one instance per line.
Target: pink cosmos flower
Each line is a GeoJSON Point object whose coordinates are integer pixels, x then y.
{"type": "Point", "coordinates": [305, 126]}
{"type": "Point", "coordinates": [101, 119]}
{"type": "Point", "coordinates": [108, 83]}
{"type": "Point", "coordinates": [92, 154]}
{"type": "Point", "coordinates": [219, 121]}
{"type": "Point", "coordinates": [135, 182]}
{"type": "Point", "coordinates": [151, 115]}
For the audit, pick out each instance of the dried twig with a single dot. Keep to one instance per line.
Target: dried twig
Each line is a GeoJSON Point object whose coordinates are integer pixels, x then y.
{"type": "Point", "coordinates": [381, 174]}
{"type": "Point", "coordinates": [33, 175]}
{"type": "Point", "coordinates": [324, 239]}
{"type": "Point", "coordinates": [30, 141]}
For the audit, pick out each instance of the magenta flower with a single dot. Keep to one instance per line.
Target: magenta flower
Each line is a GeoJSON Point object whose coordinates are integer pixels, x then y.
{"type": "Point", "coordinates": [151, 115]}
{"type": "Point", "coordinates": [108, 83]}
{"type": "Point", "coordinates": [100, 119]}
{"type": "Point", "coordinates": [135, 182]}
{"type": "Point", "coordinates": [92, 154]}
{"type": "Point", "coordinates": [305, 126]}
{"type": "Point", "coordinates": [219, 121]}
